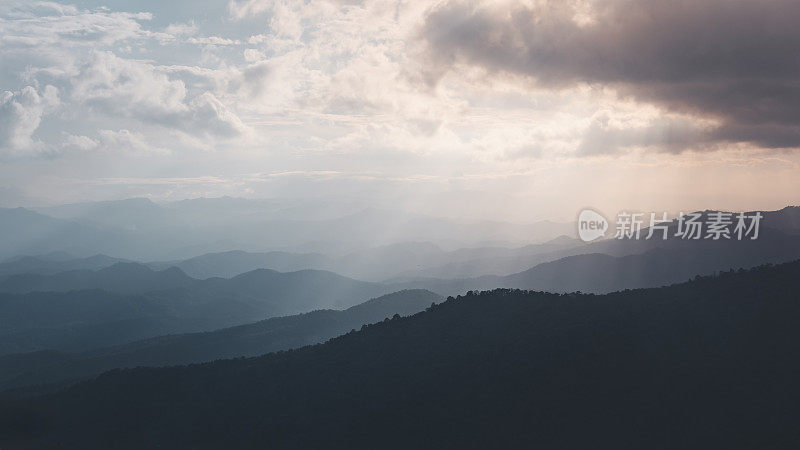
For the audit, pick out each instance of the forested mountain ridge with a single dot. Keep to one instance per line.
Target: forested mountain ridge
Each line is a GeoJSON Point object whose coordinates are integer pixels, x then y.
{"type": "Point", "coordinates": [708, 363]}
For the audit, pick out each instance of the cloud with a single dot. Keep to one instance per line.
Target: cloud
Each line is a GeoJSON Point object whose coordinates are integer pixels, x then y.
{"type": "Point", "coordinates": [111, 141]}
{"type": "Point", "coordinates": [729, 61]}
{"type": "Point", "coordinates": [253, 55]}
{"type": "Point", "coordinates": [254, 79]}
{"type": "Point", "coordinates": [242, 9]}
{"type": "Point", "coordinates": [181, 29]}
{"type": "Point", "coordinates": [214, 117]}
{"type": "Point", "coordinates": [45, 23]}
{"type": "Point", "coordinates": [212, 40]}
{"type": "Point", "coordinates": [71, 142]}
{"type": "Point", "coordinates": [127, 141]}
{"type": "Point", "coordinates": [135, 89]}
{"type": "Point", "coordinates": [20, 115]}
{"type": "Point", "coordinates": [603, 136]}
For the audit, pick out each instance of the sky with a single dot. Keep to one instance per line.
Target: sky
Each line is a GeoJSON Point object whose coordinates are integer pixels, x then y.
{"type": "Point", "coordinates": [518, 111]}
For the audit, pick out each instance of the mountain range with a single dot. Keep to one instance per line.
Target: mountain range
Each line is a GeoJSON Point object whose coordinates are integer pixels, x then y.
{"type": "Point", "coordinates": [78, 310]}
{"type": "Point", "coordinates": [278, 333]}
{"type": "Point", "coordinates": [169, 301]}
{"type": "Point", "coordinates": [412, 261]}
{"type": "Point", "coordinates": [383, 263]}
{"type": "Point", "coordinates": [54, 263]}
{"type": "Point", "coordinates": [140, 229]}
{"type": "Point", "coordinates": [616, 264]}
{"type": "Point", "coordinates": [708, 363]}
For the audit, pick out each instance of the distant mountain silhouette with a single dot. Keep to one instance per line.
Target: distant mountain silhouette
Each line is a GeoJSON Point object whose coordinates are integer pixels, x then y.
{"type": "Point", "coordinates": [120, 277]}
{"type": "Point", "coordinates": [165, 302]}
{"type": "Point", "coordinates": [140, 229]}
{"type": "Point", "coordinates": [705, 364]}
{"type": "Point", "coordinates": [786, 220]}
{"type": "Point", "coordinates": [288, 292]}
{"type": "Point", "coordinates": [408, 246]}
{"type": "Point", "coordinates": [79, 320]}
{"type": "Point", "coordinates": [45, 264]}
{"type": "Point", "coordinates": [671, 261]}
{"type": "Point", "coordinates": [376, 263]}
{"type": "Point", "coordinates": [25, 232]}
{"type": "Point", "coordinates": [657, 267]}
{"type": "Point", "coordinates": [279, 333]}
{"type": "Point", "coordinates": [498, 261]}
{"type": "Point", "coordinates": [133, 214]}
{"type": "Point", "coordinates": [232, 263]}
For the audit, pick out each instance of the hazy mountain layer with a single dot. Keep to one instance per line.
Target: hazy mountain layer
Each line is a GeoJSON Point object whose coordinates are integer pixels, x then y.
{"type": "Point", "coordinates": [142, 230]}
{"type": "Point", "coordinates": [413, 253]}
{"type": "Point", "coordinates": [671, 261]}
{"type": "Point", "coordinates": [120, 277]}
{"type": "Point", "coordinates": [378, 263]}
{"type": "Point", "coordinates": [75, 320]}
{"type": "Point", "coordinates": [45, 264]}
{"type": "Point", "coordinates": [279, 333]}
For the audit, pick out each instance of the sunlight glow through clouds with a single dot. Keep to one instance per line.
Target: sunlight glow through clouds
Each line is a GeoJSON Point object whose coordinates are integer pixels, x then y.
{"type": "Point", "coordinates": [424, 97]}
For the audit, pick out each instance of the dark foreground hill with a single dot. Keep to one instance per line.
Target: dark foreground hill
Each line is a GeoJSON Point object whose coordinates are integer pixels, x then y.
{"type": "Point", "coordinates": [712, 363]}
{"type": "Point", "coordinates": [278, 333]}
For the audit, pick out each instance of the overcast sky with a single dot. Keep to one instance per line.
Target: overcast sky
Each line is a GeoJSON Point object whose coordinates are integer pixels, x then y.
{"type": "Point", "coordinates": [518, 110]}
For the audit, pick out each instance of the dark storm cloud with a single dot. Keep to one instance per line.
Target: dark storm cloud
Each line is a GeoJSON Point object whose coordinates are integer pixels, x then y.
{"type": "Point", "coordinates": [736, 62]}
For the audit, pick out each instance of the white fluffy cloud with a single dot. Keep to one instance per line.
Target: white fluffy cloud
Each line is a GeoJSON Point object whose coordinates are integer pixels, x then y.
{"type": "Point", "coordinates": [37, 24]}
{"type": "Point", "coordinates": [127, 141]}
{"type": "Point", "coordinates": [120, 142]}
{"type": "Point", "coordinates": [136, 89]}
{"type": "Point", "coordinates": [245, 8]}
{"type": "Point", "coordinates": [20, 115]}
